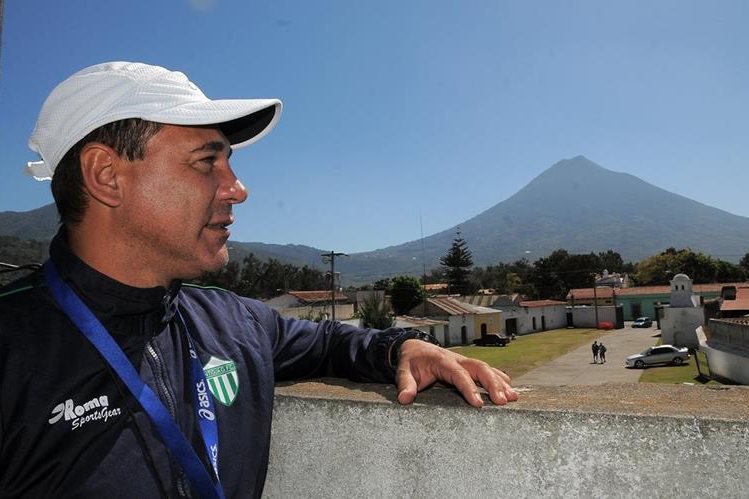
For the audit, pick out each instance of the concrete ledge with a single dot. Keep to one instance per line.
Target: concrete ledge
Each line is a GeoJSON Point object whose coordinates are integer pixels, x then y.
{"type": "Point", "coordinates": [333, 438]}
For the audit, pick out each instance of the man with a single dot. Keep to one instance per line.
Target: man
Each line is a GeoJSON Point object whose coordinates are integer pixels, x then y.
{"type": "Point", "coordinates": [116, 379]}
{"type": "Point", "coordinates": [594, 347]}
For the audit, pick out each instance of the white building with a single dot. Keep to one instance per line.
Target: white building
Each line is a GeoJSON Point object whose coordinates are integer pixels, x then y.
{"type": "Point", "coordinates": [683, 315]}
{"type": "Point", "coordinates": [311, 304]}
{"type": "Point", "coordinates": [533, 315]}
{"type": "Point", "coordinates": [466, 322]}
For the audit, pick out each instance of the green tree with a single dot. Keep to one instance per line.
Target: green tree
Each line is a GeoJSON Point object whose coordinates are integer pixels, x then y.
{"type": "Point", "coordinates": [308, 279]}
{"type": "Point", "coordinates": [457, 265]}
{"type": "Point", "coordinates": [227, 277]}
{"type": "Point", "coordinates": [577, 270]}
{"type": "Point", "coordinates": [744, 263]}
{"type": "Point", "coordinates": [405, 293]}
{"type": "Point", "coordinates": [251, 275]}
{"type": "Point", "coordinates": [659, 269]}
{"type": "Point", "coordinates": [382, 284]}
{"type": "Point", "coordinates": [547, 275]}
{"type": "Point", "coordinates": [376, 312]}
{"type": "Point", "coordinates": [611, 261]}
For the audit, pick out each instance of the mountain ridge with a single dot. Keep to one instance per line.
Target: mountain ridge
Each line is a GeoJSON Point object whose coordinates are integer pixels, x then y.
{"type": "Point", "coordinates": [575, 204]}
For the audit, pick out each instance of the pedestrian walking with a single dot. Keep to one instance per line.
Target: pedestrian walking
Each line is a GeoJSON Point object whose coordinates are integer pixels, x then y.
{"type": "Point", "coordinates": [594, 347]}
{"type": "Point", "coordinates": [602, 352]}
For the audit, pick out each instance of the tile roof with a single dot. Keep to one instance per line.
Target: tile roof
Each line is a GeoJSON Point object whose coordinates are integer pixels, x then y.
{"type": "Point", "coordinates": [541, 303]}
{"type": "Point", "coordinates": [587, 293]}
{"type": "Point", "coordinates": [317, 296]}
{"type": "Point", "coordinates": [419, 321]}
{"type": "Point", "coordinates": [454, 306]}
{"type": "Point", "coordinates": [606, 292]}
{"type": "Point", "coordinates": [491, 300]}
{"type": "Point", "coordinates": [742, 321]}
{"type": "Point", "coordinates": [740, 303]}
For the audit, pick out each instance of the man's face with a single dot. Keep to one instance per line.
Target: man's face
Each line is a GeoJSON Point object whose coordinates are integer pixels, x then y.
{"type": "Point", "coordinates": [177, 203]}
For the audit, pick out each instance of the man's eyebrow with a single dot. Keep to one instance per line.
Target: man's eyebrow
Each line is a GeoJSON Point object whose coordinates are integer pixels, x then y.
{"type": "Point", "coordinates": [214, 146]}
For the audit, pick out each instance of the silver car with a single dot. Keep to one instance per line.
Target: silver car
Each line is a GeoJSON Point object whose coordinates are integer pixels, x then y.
{"type": "Point", "coordinates": [662, 354]}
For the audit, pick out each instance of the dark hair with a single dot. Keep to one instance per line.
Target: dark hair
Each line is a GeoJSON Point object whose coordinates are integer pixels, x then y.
{"type": "Point", "coordinates": [127, 137]}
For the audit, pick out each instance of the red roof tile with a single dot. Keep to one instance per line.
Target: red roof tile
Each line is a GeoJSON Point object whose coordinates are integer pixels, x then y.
{"type": "Point", "coordinates": [740, 303]}
{"type": "Point", "coordinates": [317, 296]}
{"type": "Point", "coordinates": [541, 303]}
{"type": "Point", "coordinates": [587, 293]}
{"type": "Point", "coordinates": [606, 292]}
{"type": "Point", "coordinates": [421, 321]}
{"type": "Point", "coordinates": [454, 306]}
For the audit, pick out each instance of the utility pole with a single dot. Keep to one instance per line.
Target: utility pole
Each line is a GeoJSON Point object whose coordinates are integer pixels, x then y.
{"type": "Point", "coordinates": [595, 298]}
{"type": "Point", "coordinates": [330, 258]}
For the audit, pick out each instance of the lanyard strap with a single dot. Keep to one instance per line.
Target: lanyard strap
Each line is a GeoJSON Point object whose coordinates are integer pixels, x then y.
{"type": "Point", "coordinates": [168, 430]}
{"type": "Point", "coordinates": [204, 409]}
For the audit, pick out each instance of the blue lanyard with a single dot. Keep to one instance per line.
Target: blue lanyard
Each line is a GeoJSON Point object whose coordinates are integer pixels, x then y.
{"type": "Point", "coordinates": [204, 409]}
{"type": "Point", "coordinates": [170, 433]}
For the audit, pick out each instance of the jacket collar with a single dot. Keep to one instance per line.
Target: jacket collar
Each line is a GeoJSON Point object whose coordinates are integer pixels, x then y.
{"type": "Point", "coordinates": [109, 298]}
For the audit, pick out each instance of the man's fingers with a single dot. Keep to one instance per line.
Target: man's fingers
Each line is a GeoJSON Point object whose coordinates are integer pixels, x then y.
{"type": "Point", "coordinates": [503, 375]}
{"type": "Point", "coordinates": [494, 381]}
{"type": "Point", "coordinates": [462, 380]}
{"type": "Point", "coordinates": [407, 386]}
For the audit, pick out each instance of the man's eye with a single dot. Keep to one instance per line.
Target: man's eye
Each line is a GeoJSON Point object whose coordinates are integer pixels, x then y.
{"type": "Point", "coordinates": [207, 162]}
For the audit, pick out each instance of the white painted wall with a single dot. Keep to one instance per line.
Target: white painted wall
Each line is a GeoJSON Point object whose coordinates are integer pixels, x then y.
{"type": "Point", "coordinates": [586, 316]}
{"type": "Point", "coordinates": [555, 316]}
{"type": "Point", "coordinates": [727, 364]}
{"type": "Point", "coordinates": [342, 311]}
{"type": "Point", "coordinates": [727, 350]}
{"type": "Point", "coordinates": [678, 326]}
{"type": "Point", "coordinates": [456, 323]}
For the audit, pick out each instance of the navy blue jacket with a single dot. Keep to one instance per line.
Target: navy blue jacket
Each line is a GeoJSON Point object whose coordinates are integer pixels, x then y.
{"type": "Point", "coordinates": [69, 427]}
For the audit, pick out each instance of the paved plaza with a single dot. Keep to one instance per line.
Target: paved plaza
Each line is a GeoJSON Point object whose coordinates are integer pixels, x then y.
{"type": "Point", "coordinates": [577, 367]}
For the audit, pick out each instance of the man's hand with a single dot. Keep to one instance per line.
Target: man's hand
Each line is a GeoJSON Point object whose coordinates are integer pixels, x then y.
{"type": "Point", "coordinates": [421, 364]}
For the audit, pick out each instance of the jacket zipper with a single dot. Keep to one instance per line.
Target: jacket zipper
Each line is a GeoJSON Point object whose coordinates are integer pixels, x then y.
{"type": "Point", "coordinates": [159, 376]}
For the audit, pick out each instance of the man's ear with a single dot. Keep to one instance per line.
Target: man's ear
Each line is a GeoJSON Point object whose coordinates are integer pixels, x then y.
{"type": "Point", "coordinates": [99, 173]}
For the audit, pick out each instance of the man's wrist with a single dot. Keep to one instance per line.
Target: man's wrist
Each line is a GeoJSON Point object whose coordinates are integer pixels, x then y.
{"type": "Point", "coordinates": [411, 334]}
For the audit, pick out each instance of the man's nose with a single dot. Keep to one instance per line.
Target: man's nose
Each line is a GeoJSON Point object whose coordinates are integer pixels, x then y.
{"type": "Point", "coordinates": [231, 188]}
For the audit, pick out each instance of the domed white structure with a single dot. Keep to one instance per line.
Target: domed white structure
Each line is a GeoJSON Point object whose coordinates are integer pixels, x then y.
{"type": "Point", "coordinates": [681, 292]}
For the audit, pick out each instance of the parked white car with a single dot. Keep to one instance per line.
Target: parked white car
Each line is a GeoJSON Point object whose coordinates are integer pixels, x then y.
{"type": "Point", "coordinates": [661, 354]}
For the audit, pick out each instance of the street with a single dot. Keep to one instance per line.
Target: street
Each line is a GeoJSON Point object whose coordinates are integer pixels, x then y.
{"type": "Point", "coordinates": [577, 367]}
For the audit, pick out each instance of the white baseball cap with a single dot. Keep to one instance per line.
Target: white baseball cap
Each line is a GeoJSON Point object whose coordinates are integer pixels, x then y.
{"type": "Point", "coordinates": [113, 91]}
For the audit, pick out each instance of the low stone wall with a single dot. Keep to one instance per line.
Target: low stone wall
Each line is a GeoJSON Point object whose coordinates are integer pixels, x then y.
{"type": "Point", "coordinates": [339, 439]}
{"type": "Point", "coordinates": [727, 349]}
{"type": "Point", "coordinates": [732, 333]}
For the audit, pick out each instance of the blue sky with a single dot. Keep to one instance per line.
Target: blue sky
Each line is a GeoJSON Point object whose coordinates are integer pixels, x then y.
{"type": "Point", "coordinates": [403, 116]}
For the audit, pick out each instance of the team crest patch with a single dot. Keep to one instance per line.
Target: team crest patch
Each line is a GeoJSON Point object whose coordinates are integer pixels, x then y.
{"type": "Point", "coordinates": [222, 380]}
